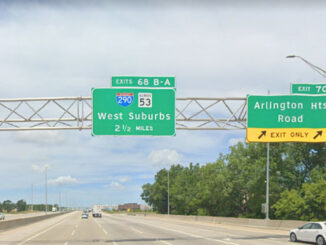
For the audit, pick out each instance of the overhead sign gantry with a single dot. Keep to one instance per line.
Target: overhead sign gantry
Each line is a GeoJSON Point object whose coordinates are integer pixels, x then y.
{"type": "Point", "coordinates": [75, 113]}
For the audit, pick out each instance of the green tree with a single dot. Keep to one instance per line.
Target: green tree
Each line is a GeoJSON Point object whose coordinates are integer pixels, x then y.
{"type": "Point", "coordinates": [213, 189]}
{"type": "Point", "coordinates": [8, 205]}
{"type": "Point", "coordinates": [235, 185]}
{"type": "Point", "coordinates": [156, 194]}
{"type": "Point", "coordinates": [21, 205]}
{"type": "Point", "coordinates": [307, 203]}
{"type": "Point", "coordinates": [184, 191]}
{"type": "Point", "coordinates": [290, 205]}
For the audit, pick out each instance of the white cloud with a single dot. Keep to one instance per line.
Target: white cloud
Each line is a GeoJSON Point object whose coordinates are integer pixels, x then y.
{"type": "Point", "coordinates": [234, 141]}
{"type": "Point", "coordinates": [40, 168]}
{"type": "Point", "coordinates": [116, 185]}
{"type": "Point", "coordinates": [63, 180]}
{"type": "Point", "coordinates": [164, 157]}
{"type": "Point", "coordinates": [40, 137]}
{"type": "Point", "coordinates": [117, 182]}
{"type": "Point", "coordinates": [124, 179]}
{"type": "Point", "coordinates": [121, 179]}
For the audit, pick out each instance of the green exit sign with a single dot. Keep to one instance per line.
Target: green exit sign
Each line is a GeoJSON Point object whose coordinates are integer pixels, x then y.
{"type": "Point", "coordinates": [308, 88]}
{"type": "Point", "coordinates": [143, 82]}
{"type": "Point", "coordinates": [133, 111]}
{"type": "Point", "coordinates": [286, 118]}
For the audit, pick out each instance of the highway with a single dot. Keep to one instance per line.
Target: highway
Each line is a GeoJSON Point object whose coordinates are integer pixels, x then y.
{"type": "Point", "coordinates": [127, 230]}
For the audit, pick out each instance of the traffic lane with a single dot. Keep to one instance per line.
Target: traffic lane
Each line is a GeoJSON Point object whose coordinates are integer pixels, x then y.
{"type": "Point", "coordinates": [237, 232]}
{"type": "Point", "coordinates": [121, 232]}
{"type": "Point", "coordinates": [89, 232]}
{"type": "Point", "coordinates": [57, 234]}
{"type": "Point", "coordinates": [126, 232]}
{"type": "Point", "coordinates": [73, 230]}
{"type": "Point", "coordinates": [118, 226]}
{"type": "Point", "coordinates": [238, 235]}
{"type": "Point", "coordinates": [241, 236]}
{"type": "Point", "coordinates": [178, 235]}
{"type": "Point", "coordinates": [18, 234]}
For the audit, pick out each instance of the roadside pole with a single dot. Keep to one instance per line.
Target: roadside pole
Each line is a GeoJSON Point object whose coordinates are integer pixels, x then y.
{"type": "Point", "coordinates": [46, 189]}
{"type": "Point", "coordinates": [267, 180]}
{"type": "Point", "coordinates": [168, 191]}
{"type": "Point", "coordinates": [32, 197]}
{"type": "Point", "coordinates": [59, 201]}
{"type": "Point", "coordinates": [267, 184]}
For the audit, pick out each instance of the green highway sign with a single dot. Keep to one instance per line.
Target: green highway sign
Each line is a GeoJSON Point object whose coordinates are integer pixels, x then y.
{"type": "Point", "coordinates": [143, 82]}
{"type": "Point", "coordinates": [308, 88]}
{"type": "Point", "coordinates": [286, 118]}
{"type": "Point", "coordinates": [133, 111]}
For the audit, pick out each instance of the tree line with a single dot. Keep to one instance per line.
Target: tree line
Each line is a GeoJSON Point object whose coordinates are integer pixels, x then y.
{"type": "Point", "coordinates": [235, 184]}
{"type": "Point", "coordinates": [21, 205]}
{"type": "Point", "coordinates": [9, 206]}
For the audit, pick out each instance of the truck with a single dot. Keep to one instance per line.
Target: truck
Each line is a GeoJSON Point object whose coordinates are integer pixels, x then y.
{"type": "Point", "coordinates": [97, 211]}
{"type": "Point", "coordinates": [54, 209]}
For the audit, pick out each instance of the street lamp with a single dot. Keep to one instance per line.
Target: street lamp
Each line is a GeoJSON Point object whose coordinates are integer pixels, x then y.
{"type": "Point", "coordinates": [168, 191]}
{"type": "Point", "coordinates": [314, 67]}
{"type": "Point", "coordinates": [267, 181]}
{"type": "Point", "coordinates": [32, 197]}
{"type": "Point", "coordinates": [46, 188]}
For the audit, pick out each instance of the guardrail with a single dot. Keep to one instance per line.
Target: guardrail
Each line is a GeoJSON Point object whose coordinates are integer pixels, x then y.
{"type": "Point", "coordinates": [258, 223]}
{"type": "Point", "coordinates": [10, 224]}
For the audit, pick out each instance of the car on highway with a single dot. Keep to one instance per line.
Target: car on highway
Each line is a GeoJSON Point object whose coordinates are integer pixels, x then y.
{"type": "Point", "coordinates": [85, 216]}
{"type": "Point", "coordinates": [2, 216]}
{"type": "Point", "coordinates": [311, 232]}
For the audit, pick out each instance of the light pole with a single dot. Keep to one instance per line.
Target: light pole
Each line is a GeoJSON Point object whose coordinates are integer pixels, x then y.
{"type": "Point", "coordinates": [267, 184]}
{"type": "Point", "coordinates": [168, 191]}
{"type": "Point", "coordinates": [59, 201]}
{"type": "Point", "coordinates": [314, 67]}
{"type": "Point", "coordinates": [32, 197]}
{"type": "Point", "coordinates": [46, 188]}
{"type": "Point", "coordinates": [267, 180]}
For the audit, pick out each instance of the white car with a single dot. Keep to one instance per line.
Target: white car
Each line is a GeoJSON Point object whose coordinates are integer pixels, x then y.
{"type": "Point", "coordinates": [311, 232]}
{"type": "Point", "coordinates": [2, 216]}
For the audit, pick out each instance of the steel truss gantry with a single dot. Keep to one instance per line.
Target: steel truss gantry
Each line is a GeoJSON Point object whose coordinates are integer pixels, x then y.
{"type": "Point", "coordinates": [62, 113]}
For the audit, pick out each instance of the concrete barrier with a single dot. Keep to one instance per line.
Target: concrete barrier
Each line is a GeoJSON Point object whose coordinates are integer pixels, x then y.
{"type": "Point", "coordinates": [257, 223]}
{"type": "Point", "coordinates": [14, 223]}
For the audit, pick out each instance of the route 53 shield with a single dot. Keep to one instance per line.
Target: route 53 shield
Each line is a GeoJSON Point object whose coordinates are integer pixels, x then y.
{"type": "Point", "coordinates": [125, 99]}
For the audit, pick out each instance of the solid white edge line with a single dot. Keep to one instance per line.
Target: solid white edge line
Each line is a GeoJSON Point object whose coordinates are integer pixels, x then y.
{"type": "Point", "coordinates": [40, 233]}
{"type": "Point", "coordinates": [166, 242]}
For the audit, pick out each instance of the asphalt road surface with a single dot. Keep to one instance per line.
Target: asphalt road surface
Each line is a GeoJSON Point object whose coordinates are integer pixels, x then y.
{"type": "Point", "coordinates": [129, 230]}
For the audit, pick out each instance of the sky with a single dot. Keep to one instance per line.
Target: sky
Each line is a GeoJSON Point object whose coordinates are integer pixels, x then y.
{"type": "Point", "coordinates": [213, 48]}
